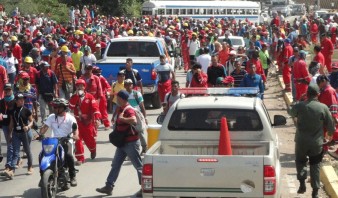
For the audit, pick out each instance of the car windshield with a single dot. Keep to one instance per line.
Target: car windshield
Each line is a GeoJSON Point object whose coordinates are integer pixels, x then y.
{"type": "Point", "coordinates": [133, 49]}
{"type": "Point", "coordinates": [209, 120]}
{"type": "Point", "coordinates": [235, 41]}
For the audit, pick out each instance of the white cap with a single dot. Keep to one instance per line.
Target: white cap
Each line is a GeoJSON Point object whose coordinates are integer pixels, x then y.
{"type": "Point", "coordinates": [98, 45]}
{"type": "Point", "coordinates": [233, 52]}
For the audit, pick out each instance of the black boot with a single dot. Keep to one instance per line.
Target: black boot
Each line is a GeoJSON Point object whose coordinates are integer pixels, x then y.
{"type": "Point", "coordinates": [315, 193]}
{"type": "Point", "coordinates": [105, 190]}
{"type": "Point", "coordinates": [302, 187]}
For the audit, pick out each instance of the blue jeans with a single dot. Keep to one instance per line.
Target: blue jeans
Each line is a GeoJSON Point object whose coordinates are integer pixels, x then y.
{"type": "Point", "coordinates": [11, 78]}
{"type": "Point", "coordinates": [25, 138]}
{"type": "Point", "coordinates": [5, 129]}
{"type": "Point", "coordinates": [132, 150]}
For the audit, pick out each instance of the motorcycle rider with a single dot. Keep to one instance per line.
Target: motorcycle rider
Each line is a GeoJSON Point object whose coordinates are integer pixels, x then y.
{"type": "Point", "coordinates": [62, 124]}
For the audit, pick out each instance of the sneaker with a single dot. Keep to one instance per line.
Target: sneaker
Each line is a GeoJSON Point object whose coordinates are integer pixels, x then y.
{"type": "Point", "coordinates": [315, 193]}
{"type": "Point", "coordinates": [93, 155]}
{"type": "Point", "coordinates": [9, 174]}
{"type": "Point", "coordinates": [139, 193]}
{"type": "Point", "coordinates": [78, 163]}
{"type": "Point", "coordinates": [30, 171]}
{"type": "Point", "coordinates": [105, 190]}
{"type": "Point", "coordinates": [73, 182]}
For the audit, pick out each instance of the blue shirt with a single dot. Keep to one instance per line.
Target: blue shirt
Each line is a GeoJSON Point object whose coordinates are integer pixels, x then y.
{"type": "Point", "coordinates": [3, 62]}
{"type": "Point", "coordinates": [253, 81]}
{"type": "Point", "coordinates": [46, 82]}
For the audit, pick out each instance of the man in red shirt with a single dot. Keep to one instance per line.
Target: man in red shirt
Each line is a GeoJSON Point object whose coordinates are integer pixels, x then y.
{"type": "Point", "coordinates": [255, 61]}
{"type": "Point", "coordinates": [301, 75]}
{"type": "Point", "coordinates": [287, 53]}
{"type": "Point", "coordinates": [328, 97]}
{"type": "Point", "coordinates": [32, 72]}
{"type": "Point", "coordinates": [327, 50]}
{"type": "Point", "coordinates": [16, 49]}
{"type": "Point", "coordinates": [319, 57]}
{"type": "Point", "coordinates": [103, 101]}
{"type": "Point", "coordinates": [87, 115]}
{"type": "Point", "coordinates": [314, 32]}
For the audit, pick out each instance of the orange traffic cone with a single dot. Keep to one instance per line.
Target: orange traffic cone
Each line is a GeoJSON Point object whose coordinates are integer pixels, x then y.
{"type": "Point", "coordinates": [224, 146]}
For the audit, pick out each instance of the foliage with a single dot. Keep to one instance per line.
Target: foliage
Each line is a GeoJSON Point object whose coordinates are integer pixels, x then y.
{"type": "Point", "coordinates": [57, 11]}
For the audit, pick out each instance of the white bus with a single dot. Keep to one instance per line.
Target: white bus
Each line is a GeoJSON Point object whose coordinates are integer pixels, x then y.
{"type": "Point", "coordinates": [203, 10]}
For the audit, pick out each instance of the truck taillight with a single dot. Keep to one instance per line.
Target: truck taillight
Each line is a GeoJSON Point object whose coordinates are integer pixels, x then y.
{"type": "Point", "coordinates": [153, 75]}
{"type": "Point", "coordinates": [269, 180]}
{"type": "Point", "coordinates": [147, 178]}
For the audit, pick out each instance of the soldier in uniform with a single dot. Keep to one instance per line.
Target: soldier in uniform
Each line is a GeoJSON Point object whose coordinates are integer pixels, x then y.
{"type": "Point", "coordinates": [309, 137]}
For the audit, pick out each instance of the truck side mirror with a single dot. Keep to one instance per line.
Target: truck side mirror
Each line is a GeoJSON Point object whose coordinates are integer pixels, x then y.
{"type": "Point", "coordinates": [279, 120]}
{"type": "Point", "coordinates": [160, 119]}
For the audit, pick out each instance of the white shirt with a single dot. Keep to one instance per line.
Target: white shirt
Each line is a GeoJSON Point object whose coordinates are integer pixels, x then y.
{"type": "Point", "coordinates": [62, 126]}
{"type": "Point", "coordinates": [205, 61]}
{"type": "Point", "coordinates": [193, 47]}
{"type": "Point", "coordinates": [87, 60]}
{"type": "Point", "coordinates": [11, 64]}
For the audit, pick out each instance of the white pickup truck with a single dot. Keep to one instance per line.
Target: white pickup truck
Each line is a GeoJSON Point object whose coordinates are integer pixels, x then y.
{"type": "Point", "coordinates": [185, 162]}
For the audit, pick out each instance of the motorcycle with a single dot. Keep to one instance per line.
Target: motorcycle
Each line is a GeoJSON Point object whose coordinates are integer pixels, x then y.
{"type": "Point", "coordinates": [53, 167]}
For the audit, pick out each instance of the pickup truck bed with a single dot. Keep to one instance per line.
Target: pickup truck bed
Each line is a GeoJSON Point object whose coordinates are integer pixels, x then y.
{"type": "Point", "coordinates": [211, 148]}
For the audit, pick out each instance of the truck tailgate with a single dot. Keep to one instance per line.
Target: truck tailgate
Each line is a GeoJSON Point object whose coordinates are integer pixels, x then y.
{"type": "Point", "coordinates": [208, 175]}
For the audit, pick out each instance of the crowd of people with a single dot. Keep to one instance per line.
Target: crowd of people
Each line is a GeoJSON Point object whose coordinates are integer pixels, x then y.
{"type": "Point", "coordinates": [42, 61]}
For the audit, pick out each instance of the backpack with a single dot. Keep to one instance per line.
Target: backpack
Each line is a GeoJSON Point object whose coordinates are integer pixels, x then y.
{"type": "Point", "coordinates": [141, 124]}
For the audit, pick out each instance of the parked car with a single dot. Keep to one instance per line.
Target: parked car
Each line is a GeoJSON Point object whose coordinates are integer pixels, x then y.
{"type": "Point", "coordinates": [298, 9]}
{"type": "Point", "coordinates": [327, 16]}
{"type": "Point", "coordinates": [320, 12]}
{"type": "Point", "coordinates": [284, 10]}
{"type": "Point", "coordinates": [235, 40]}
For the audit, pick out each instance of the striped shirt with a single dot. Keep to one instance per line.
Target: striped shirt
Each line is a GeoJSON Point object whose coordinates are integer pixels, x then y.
{"type": "Point", "coordinates": [67, 76]}
{"type": "Point", "coordinates": [238, 77]}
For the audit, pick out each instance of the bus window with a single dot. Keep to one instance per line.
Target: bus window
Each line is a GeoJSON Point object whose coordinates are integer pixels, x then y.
{"type": "Point", "coordinates": [183, 11]}
{"type": "Point", "coordinates": [169, 11]}
{"type": "Point", "coordinates": [249, 12]}
{"type": "Point", "coordinates": [176, 11]}
{"type": "Point", "coordinates": [144, 12]}
{"type": "Point", "coordinates": [241, 11]}
{"type": "Point", "coordinates": [197, 11]}
{"type": "Point", "coordinates": [203, 11]}
{"type": "Point", "coordinates": [189, 11]}
{"type": "Point", "coordinates": [160, 11]}
{"type": "Point", "coordinates": [231, 11]}
{"type": "Point", "coordinates": [222, 11]}
{"type": "Point", "coordinates": [255, 11]}
{"type": "Point", "coordinates": [209, 11]}
{"type": "Point", "coordinates": [216, 11]}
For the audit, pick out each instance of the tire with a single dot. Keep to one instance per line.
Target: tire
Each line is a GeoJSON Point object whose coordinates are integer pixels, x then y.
{"type": "Point", "coordinates": [48, 186]}
{"type": "Point", "coordinates": [155, 101]}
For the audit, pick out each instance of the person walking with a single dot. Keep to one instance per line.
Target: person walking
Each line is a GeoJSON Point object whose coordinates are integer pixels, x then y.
{"type": "Point", "coordinates": [126, 117]}
{"type": "Point", "coordinates": [6, 106]}
{"type": "Point", "coordinates": [46, 82]}
{"type": "Point", "coordinates": [215, 70]}
{"type": "Point", "coordinates": [87, 114]}
{"type": "Point", "coordinates": [327, 50]}
{"type": "Point", "coordinates": [309, 137]}
{"type": "Point", "coordinates": [163, 71]}
{"type": "Point", "coordinates": [301, 75]}
{"type": "Point", "coordinates": [21, 122]}
{"type": "Point", "coordinates": [133, 74]}
{"type": "Point", "coordinates": [252, 79]}
{"type": "Point", "coordinates": [12, 64]}
{"type": "Point", "coordinates": [115, 88]}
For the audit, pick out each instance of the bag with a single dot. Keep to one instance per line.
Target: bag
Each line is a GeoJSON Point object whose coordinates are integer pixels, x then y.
{"type": "Point", "coordinates": [117, 138]}
{"type": "Point", "coordinates": [141, 124]}
{"type": "Point", "coordinates": [268, 61]}
{"type": "Point", "coordinates": [48, 97]}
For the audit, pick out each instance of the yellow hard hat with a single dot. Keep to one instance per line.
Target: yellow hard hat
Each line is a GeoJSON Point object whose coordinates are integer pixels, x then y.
{"type": "Point", "coordinates": [64, 49]}
{"type": "Point", "coordinates": [206, 29]}
{"type": "Point", "coordinates": [130, 32]}
{"type": "Point", "coordinates": [150, 34]}
{"type": "Point", "coordinates": [28, 59]}
{"type": "Point", "coordinates": [194, 33]}
{"type": "Point", "coordinates": [185, 24]}
{"type": "Point", "coordinates": [14, 38]}
{"type": "Point", "coordinates": [219, 26]}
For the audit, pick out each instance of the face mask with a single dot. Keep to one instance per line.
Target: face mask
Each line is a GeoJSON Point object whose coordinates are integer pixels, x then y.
{"type": "Point", "coordinates": [80, 93]}
{"type": "Point", "coordinates": [9, 98]}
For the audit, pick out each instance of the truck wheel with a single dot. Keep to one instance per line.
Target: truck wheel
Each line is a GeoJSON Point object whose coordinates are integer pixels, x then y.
{"type": "Point", "coordinates": [155, 101]}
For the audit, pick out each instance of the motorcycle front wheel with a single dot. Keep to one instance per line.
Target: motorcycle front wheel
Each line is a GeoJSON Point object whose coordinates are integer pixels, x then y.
{"type": "Point", "coordinates": [49, 186]}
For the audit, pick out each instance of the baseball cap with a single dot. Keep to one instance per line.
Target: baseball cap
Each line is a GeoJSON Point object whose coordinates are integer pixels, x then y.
{"type": "Point", "coordinates": [121, 73]}
{"type": "Point", "coordinates": [123, 94]}
{"type": "Point", "coordinates": [128, 81]}
{"type": "Point", "coordinates": [8, 86]}
{"type": "Point", "coordinates": [19, 95]}
{"type": "Point", "coordinates": [98, 45]}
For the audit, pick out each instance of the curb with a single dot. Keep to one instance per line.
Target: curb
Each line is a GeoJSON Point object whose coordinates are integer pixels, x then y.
{"type": "Point", "coordinates": [328, 175]}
